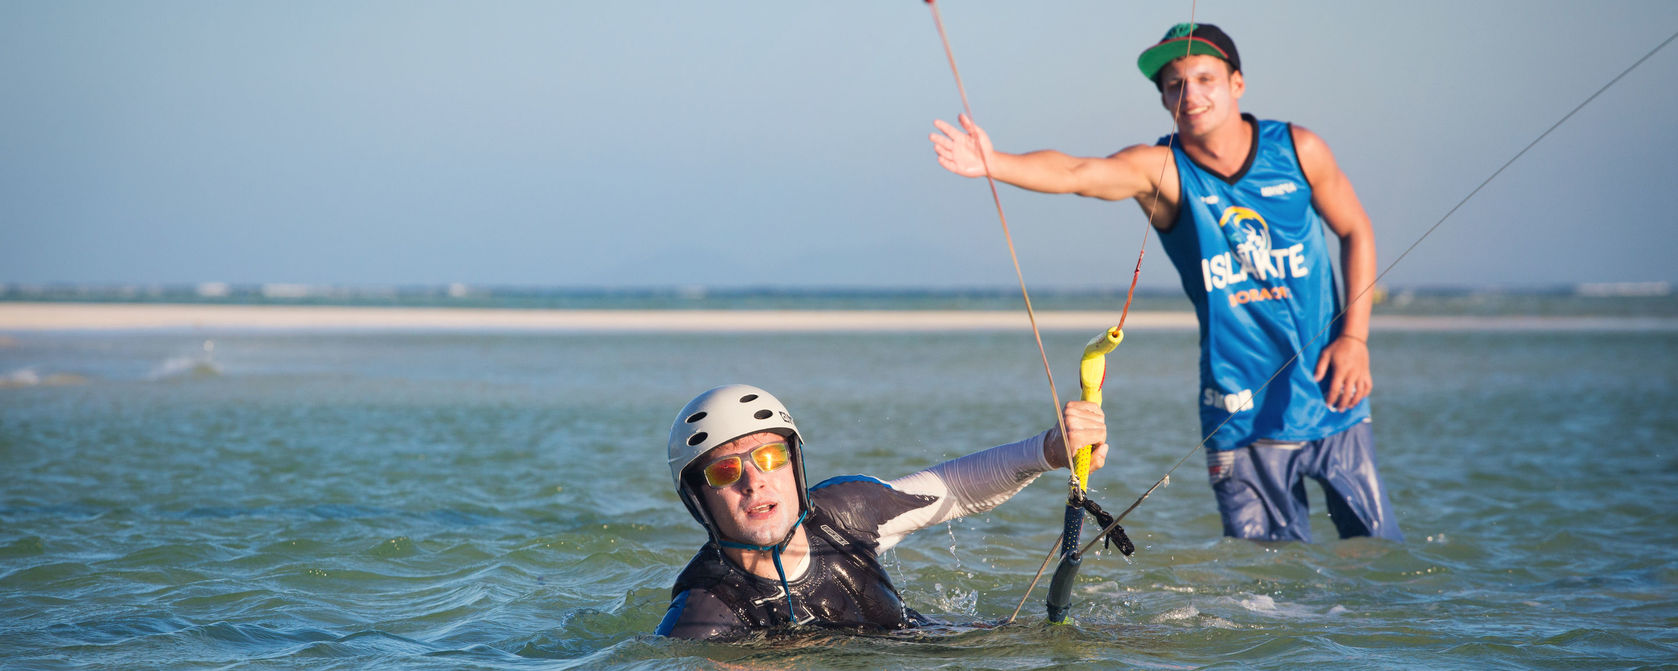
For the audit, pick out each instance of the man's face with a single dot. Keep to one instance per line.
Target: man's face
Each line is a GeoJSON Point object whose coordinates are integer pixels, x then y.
{"type": "Point", "coordinates": [760, 507]}
{"type": "Point", "coordinates": [1200, 92]}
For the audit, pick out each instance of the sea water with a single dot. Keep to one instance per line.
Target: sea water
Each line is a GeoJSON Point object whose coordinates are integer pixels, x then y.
{"type": "Point", "coordinates": [478, 500]}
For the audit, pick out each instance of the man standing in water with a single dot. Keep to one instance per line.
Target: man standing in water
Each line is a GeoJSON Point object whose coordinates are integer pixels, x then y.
{"type": "Point", "coordinates": [1238, 204]}
{"type": "Point", "coordinates": [778, 547]}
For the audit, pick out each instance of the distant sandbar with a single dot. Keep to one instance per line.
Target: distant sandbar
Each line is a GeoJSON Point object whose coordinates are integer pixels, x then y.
{"type": "Point", "coordinates": [47, 316]}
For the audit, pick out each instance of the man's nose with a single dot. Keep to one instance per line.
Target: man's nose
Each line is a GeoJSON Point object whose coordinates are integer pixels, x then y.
{"type": "Point", "coordinates": [750, 477]}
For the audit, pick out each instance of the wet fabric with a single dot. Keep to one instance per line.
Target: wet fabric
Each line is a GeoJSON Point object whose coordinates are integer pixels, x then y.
{"type": "Point", "coordinates": [1261, 493]}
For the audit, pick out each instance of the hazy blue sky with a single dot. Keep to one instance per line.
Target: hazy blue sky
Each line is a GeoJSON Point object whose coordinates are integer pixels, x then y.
{"type": "Point", "coordinates": [784, 143]}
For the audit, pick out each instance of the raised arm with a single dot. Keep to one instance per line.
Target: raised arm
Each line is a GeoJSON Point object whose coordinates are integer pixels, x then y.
{"type": "Point", "coordinates": [1347, 358]}
{"type": "Point", "coordinates": [1126, 174]}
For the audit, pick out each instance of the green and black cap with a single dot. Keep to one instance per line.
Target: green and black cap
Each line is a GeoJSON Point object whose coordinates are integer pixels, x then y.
{"type": "Point", "coordinates": [1188, 39]}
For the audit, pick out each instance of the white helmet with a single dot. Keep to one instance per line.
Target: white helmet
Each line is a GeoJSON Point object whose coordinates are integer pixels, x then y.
{"type": "Point", "coordinates": [719, 416]}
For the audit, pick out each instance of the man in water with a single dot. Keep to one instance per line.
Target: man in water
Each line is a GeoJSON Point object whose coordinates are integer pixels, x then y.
{"type": "Point", "coordinates": [782, 554]}
{"type": "Point", "coordinates": [1239, 205]}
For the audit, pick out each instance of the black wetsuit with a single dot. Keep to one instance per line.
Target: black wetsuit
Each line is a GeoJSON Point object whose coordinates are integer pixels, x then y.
{"type": "Point", "coordinates": [845, 585]}
{"type": "Point", "coordinates": [853, 519]}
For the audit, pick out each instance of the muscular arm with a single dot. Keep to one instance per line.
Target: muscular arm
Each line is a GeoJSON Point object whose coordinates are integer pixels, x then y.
{"type": "Point", "coordinates": [1131, 172]}
{"type": "Point", "coordinates": [1347, 358]}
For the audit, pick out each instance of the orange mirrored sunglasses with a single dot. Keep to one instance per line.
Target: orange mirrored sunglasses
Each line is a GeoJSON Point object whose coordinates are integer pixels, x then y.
{"type": "Point", "coordinates": [727, 470]}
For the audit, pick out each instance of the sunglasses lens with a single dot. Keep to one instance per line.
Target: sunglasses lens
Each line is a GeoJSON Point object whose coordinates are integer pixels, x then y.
{"type": "Point", "coordinates": [771, 456]}
{"type": "Point", "coordinates": [724, 472]}
{"type": "Point", "coordinates": [727, 471]}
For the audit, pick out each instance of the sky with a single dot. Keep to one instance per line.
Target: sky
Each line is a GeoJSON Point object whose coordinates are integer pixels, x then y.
{"type": "Point", "coordinates": [784, 144]}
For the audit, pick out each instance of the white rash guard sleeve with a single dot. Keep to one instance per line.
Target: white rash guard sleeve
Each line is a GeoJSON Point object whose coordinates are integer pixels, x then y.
{"type": "Point", "coordinates": [966, 485]}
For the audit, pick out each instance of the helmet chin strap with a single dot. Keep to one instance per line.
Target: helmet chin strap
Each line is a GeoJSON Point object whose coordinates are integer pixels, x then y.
{"type": "Point", "coordinates": [775, 553]}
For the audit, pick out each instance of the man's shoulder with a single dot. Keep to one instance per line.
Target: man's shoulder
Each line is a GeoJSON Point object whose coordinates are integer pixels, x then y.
{"type": "Point", "coordinates": [698, 607]}
{"type": "Point", "coordinates": [846, 483]}
{"type": "Point", "coordinates": [862, 504]}
{"type": "Point", "coordinates": [1305, 141]}
{"type": "Point", "coordinates": [698, 613]}
{"type": "Point", "coordinates": [1149, 156]}
{"type": "Point", "coordinates": [838, 493]}
{"type": "Point", "coordinates": [845, 500]}
{"type": "Point", "coordinates": [703, 571]}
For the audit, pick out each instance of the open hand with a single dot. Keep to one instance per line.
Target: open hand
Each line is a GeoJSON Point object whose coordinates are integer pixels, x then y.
{"type": "Point", "coordinates": [962, 151]}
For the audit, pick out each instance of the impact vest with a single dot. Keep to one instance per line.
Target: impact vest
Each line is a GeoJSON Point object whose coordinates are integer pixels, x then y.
{"type": "Point", "coordinates": [844, 587]}
{"type": "Point", "coordinates": [1251, 254]}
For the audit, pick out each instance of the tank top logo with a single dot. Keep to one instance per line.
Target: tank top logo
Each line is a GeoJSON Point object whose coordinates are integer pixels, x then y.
{"type": "Point", "coordinates": [1248, 235]}
{"type": "Point", "coordinates": [1253, 258]}
{"type": "Point", "coordinates": [1240, 401]}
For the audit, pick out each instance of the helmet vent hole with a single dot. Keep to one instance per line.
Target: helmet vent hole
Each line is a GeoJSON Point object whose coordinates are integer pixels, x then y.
{"type": "Point", "coordinates": [696, 417]}
{"type": "Point", "coordinates": [697, 438]}
{"type": "Point", "coordinates": [763, 414]}
{"type": "Point", "coordinates": [748, 398]}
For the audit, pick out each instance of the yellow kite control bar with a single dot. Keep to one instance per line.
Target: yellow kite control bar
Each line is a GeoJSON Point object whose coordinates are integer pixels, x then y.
{"type": "Point", "coordinates": [1092, 371]}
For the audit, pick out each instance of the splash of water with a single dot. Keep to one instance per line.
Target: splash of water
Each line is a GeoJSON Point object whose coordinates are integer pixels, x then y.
{"type": "Point", "coordinates": [202, 364]}
{"type": "Point", "coordinates": [23, 377]}
{"type": "Point", "coordinates": [27, 377]}
{"type": "Point", "coordinates": [950, 527]}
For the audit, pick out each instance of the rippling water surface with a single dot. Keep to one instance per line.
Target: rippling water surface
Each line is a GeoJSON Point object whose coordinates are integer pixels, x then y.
{"type": "Point", "coordinates": [492, 501]}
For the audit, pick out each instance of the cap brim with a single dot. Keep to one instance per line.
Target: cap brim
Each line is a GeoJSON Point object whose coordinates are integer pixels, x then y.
{"type": "Point", "coordinates": [1155, 58]}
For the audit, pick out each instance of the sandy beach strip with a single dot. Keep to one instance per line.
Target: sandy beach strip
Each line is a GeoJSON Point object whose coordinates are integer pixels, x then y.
{"type": "Point", "coordinates": [49, 316]}
{"type": "Point", "coordinates": [26, 316]}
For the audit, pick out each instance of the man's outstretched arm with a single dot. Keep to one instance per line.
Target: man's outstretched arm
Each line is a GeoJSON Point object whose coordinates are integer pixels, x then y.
{"type": "Point", "coordinates": [966, 151]}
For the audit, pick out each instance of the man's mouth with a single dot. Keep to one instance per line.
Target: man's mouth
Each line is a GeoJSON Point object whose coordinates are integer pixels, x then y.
{"type": "Point", "coordinates": [760, 510]}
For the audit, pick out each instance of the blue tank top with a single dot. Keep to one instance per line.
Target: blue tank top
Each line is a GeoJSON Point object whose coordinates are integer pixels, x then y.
{"type": "Point", "coordinates": [1252, 257]}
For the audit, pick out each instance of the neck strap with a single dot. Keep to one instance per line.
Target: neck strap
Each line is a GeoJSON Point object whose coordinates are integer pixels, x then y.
{"type": "Point", "coordinates": [775, 553]}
